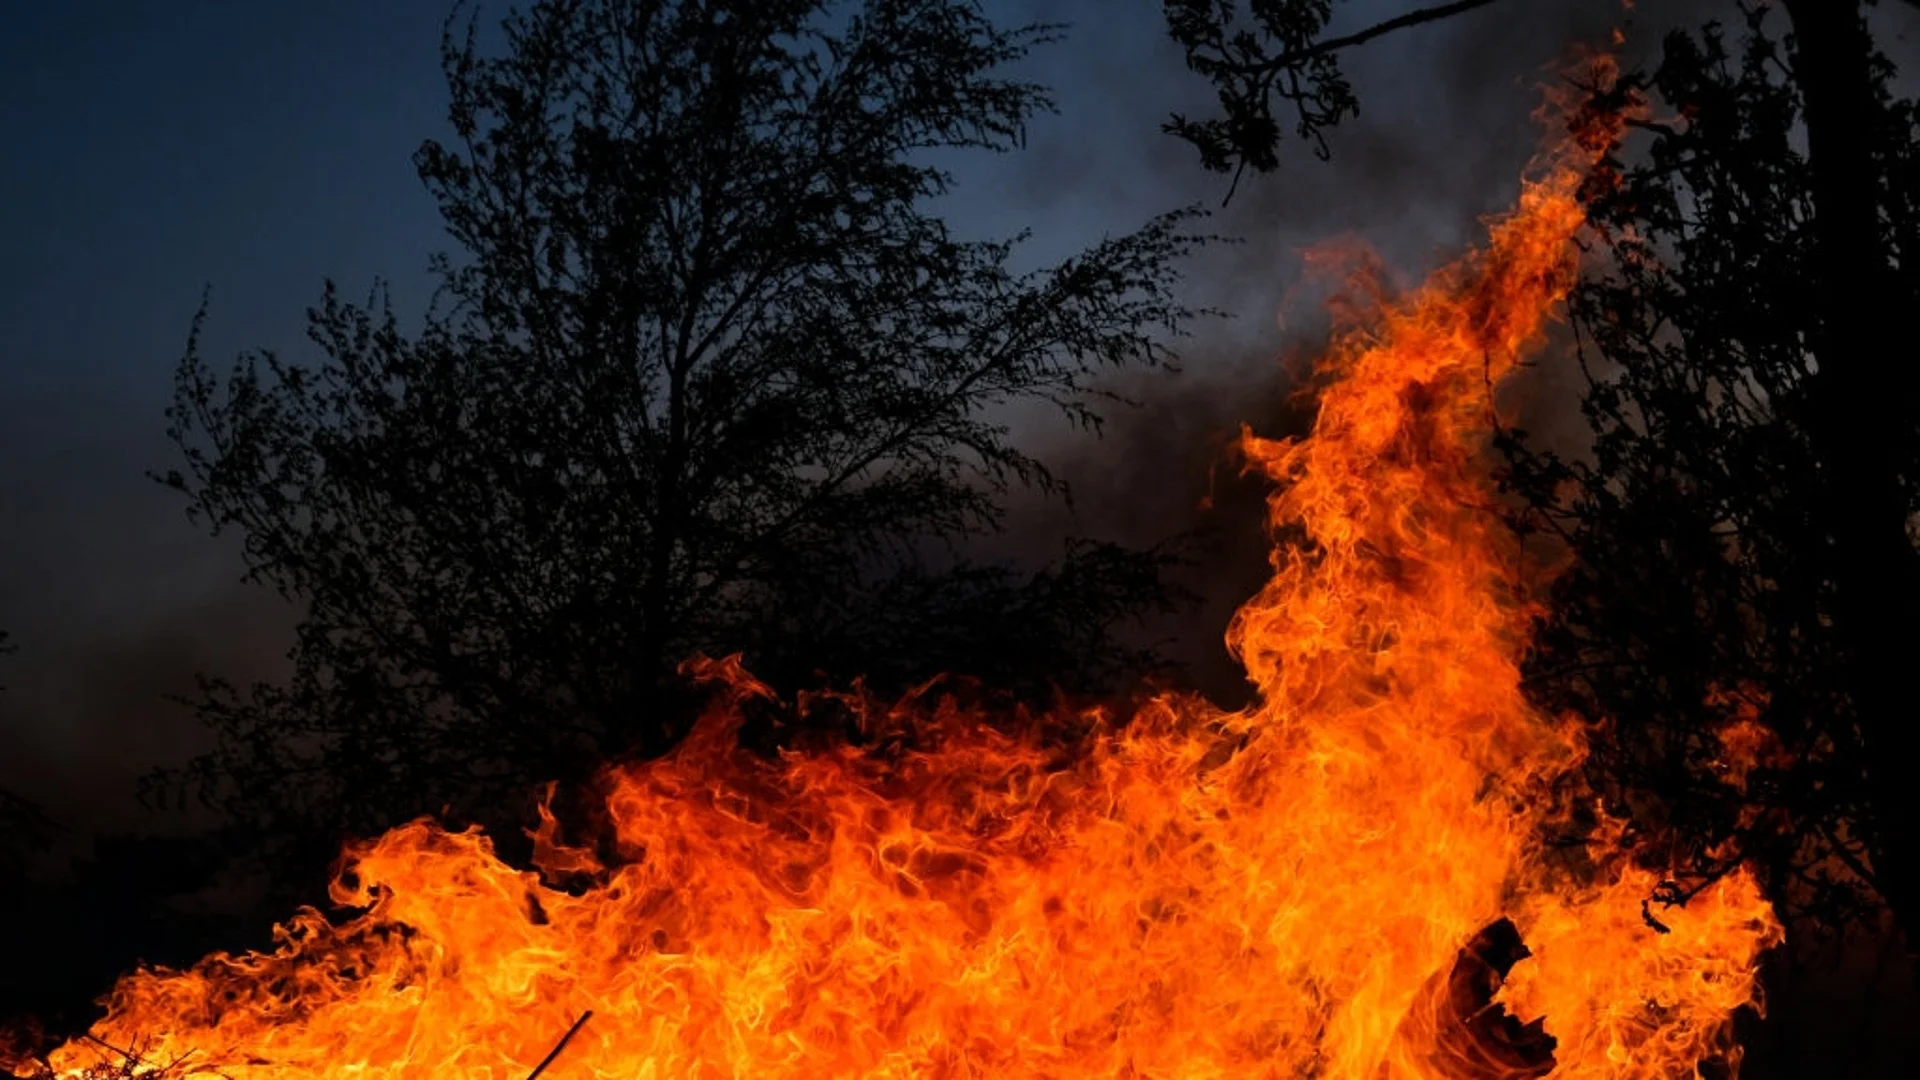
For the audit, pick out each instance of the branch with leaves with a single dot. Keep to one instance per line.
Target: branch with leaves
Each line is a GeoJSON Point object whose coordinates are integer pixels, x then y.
{"type": "Point", "coordinates": [1278, 59]}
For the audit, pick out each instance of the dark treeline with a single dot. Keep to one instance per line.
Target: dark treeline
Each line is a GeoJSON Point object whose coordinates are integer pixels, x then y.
{"type": "Point", "coordinates": [1746, 578]}
{"type": "Point", "coordinates": [706, 374]}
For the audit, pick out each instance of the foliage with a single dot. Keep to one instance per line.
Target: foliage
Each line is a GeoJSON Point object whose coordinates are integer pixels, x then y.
{"type": "Point", "coordinates": [1277, 60]}
{"type": "Point", "coordinates": [1698, 616]}
{"type": "Point", "coordinates": [708, 375]}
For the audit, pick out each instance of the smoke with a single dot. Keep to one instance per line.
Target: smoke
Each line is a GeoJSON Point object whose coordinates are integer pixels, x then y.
{"type": "Point", "coordinates": [89, 709]}
{"type": "Point", "coordinates": [122, 604]}
{"type": "Point", "coordinates": [1447, 124]}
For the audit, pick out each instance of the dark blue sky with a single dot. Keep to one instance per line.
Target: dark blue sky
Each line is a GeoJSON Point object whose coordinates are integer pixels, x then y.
{"type": "Point", "coordinates": [152, 149]}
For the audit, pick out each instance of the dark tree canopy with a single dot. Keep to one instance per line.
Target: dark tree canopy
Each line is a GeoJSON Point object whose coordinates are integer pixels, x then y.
{"type": "Point", "coordinates": [707, 374]}
{"type": "Point", "coordinates": [1703, 622]}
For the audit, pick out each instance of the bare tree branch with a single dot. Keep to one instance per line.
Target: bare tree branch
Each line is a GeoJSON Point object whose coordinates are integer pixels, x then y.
{"type": "Point", "coordinates": [1378, 30]}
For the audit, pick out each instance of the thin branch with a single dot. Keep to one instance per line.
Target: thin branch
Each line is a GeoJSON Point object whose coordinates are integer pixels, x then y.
{"type": "Point", "coordinates": [1377, 30]}
{"type": "Point", "coordinates": [561, 1045]}
{"type": "Point", "coordinates": [129, 1056]}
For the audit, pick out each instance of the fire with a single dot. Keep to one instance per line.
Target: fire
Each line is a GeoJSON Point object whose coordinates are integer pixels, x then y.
{"type": "Point", "coordinates": [1354, 879]}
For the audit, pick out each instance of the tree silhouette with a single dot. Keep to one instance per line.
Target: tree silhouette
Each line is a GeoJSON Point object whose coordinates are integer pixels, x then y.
{"type": "Point", "coordinates": [1275, 61]}
{"type": "Point", "coordinates": [708, 374]}
{"type": "Point", "coordinates": [1734, 617]}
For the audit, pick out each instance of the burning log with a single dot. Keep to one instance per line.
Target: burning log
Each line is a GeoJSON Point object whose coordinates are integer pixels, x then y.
{"type": "Point", "coordinates": [561, 1045]}
{"type": "Point", "coordinates": [1459, 1032]}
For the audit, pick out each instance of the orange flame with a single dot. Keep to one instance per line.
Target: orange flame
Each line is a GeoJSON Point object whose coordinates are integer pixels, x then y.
{"type": "Point", "coordinates": [1350, 880]}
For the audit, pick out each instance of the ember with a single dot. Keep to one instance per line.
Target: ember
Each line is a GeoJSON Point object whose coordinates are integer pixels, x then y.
{"type": "Point", "coordinates": [1352, 879]}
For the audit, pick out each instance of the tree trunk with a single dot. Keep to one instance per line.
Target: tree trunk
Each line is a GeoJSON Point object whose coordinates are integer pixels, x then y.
{"type": "Point", "coordinates": [1862, 405]}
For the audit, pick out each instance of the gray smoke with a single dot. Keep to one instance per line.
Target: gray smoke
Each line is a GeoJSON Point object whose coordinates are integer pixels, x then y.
{"type": "Point", "coordinates": [1446, 127]}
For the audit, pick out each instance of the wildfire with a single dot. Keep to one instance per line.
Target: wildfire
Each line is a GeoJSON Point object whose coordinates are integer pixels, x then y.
{"type": "Point", "coordinates": [1356, 878]}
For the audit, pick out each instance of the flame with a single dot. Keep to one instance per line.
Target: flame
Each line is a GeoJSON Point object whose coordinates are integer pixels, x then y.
{"type": "Point", "coordinates": [1353, 879]}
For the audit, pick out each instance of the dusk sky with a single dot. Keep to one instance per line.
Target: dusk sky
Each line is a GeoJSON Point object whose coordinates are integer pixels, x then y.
{"type": "Point", "coordinates": [154, 150]}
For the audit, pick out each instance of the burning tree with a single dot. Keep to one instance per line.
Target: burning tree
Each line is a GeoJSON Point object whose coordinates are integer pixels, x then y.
{"type": "Point", "coordinates": [1357, 877]}
{"type": "Point", "coordinates": [709, 374]}
{"type": "Point", "coordinates": [1743, 574]}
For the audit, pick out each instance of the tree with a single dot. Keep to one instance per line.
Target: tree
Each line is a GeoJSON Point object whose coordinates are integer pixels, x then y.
{"type": "Point", "coordinates": [1742, 432]}
{"type": "Point", "coordinates": [1735, 619]}
{"type": "Point", "coordinates": [708, 375]}
{"type": "Point", "coordinates": [1279, 60]}
{"type": "Point", "coordinates": [1861, 413]}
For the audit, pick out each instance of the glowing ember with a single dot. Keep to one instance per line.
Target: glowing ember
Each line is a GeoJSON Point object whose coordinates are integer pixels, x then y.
{"type": "Point", "coordinates": [1352, 880]}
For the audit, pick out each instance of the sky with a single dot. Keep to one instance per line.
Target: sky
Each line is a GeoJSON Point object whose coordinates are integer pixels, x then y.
{"type": "Point", "coordinates": [251, 150]}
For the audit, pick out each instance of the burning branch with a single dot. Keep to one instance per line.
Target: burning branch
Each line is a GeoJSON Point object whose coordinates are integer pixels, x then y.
{"type": "Point", "coordinates": [561, 1045]}
{"type": "Point", "coordinates": [1458, 1028]}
